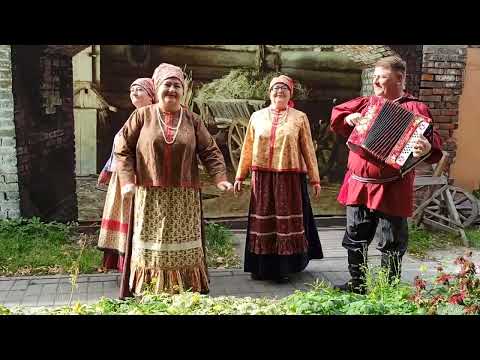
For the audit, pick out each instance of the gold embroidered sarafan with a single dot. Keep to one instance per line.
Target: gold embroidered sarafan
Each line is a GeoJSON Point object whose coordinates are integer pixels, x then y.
{"type": "Point", "coordinates": [285, 146]}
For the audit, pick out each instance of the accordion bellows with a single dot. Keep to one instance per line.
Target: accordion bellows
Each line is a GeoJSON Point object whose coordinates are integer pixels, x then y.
{"type": "Point", "coordinates": [387, 133]}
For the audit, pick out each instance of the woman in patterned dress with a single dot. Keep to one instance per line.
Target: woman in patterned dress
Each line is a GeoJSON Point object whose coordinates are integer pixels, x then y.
{"type": "Point", "coordinates": [116, 211]}
{"type": "Point", "coordinates": [157, 163]}
{"type": "Point", "coordinates": [278, 150]}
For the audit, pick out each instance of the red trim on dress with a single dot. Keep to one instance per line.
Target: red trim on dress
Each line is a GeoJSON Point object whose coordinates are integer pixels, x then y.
{"type": "Point", "coordinates": [114, 225]}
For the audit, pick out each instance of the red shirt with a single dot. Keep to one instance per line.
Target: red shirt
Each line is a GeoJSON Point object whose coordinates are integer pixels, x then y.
{"type": "Point", "coordinates": [393, 198]}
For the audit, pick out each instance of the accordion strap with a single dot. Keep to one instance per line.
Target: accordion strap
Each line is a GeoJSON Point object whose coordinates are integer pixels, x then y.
{"type": "Point", "coordinates": [374, 180]}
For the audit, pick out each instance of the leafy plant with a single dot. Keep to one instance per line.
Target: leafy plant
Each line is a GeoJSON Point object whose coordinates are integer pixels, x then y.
{"type": "Point", "coordinates": [4, 310]}
{"type": "Point", "coordinates": [476, 193]}
{"type": "Point", "coordinates": [449, 293]}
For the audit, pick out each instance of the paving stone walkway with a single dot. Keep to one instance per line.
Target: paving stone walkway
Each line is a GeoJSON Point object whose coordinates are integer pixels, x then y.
{"type": "Point", "coordinates": [50, 291]}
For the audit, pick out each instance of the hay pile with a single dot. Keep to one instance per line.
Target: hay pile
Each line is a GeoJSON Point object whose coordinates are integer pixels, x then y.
{"type": "Point", "coordinates": [244, 84]}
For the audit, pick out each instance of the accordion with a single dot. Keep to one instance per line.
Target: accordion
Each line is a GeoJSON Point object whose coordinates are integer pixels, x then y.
{"type": "Point", "coordinates": [387, 133]}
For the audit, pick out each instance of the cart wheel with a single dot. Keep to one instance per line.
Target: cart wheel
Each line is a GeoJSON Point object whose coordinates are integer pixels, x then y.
{"type": "Point", "coordinates": [466, 204]}
{"type": "Point", "coordinates": [236, 135]}
{"type": "Point", "coordinates": [324, 144]}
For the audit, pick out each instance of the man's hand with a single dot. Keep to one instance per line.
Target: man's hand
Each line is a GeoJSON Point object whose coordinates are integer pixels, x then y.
{"type": "Point", "coordinates": [353, 119]}
{"type": "Point", "coordinates": [316, 190]}
{"type": "Point", "coordinates": [422, 147]}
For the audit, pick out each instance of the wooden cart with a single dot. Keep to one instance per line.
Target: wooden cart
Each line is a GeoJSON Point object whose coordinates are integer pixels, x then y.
{"type": "Point", "coordinates": [444, 206]}
{"type": "Point", "coordinates": [230, 115]}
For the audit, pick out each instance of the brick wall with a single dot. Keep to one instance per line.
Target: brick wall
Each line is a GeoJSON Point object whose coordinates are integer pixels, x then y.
{"type": "Point", "coordinates": [412, 54]}
{"type": "Point", "coordinates": [9, 191]}
{"type": "Point", "coordinates": [435, 75]}
{"type": "Point", "coordinates": [45, 133]}
{"type": "Point", "coordinates": [441, 86]}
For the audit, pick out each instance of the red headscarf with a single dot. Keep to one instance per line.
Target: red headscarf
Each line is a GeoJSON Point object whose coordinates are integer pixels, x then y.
{"type": "Point", "coordinates": [147, 85]}
{"type": "Point", "coordinates": [165, 71]}
{"type": "Point", "coordinates": [284, 79]}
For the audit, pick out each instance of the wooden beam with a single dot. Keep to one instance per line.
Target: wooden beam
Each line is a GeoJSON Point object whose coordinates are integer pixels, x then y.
{"type": "Point", "coordinates": [440, 226]}
{"type": "Point", "coordinates": [313, 60]}
{"type": "Point", "coordinates": [430, 180]}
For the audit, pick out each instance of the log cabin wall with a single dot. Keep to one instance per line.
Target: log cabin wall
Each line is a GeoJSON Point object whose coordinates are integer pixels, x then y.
{"type": "Point", "coordinates": [329, 74]}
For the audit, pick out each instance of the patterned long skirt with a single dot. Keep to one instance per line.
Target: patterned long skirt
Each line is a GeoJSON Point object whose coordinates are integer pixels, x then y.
{"type": "Point", "coordinates": [281, 233]}
{"type": "Point", "coordinates": [167, 248]}
{"type": "Point", "coordinates": [114, 228]}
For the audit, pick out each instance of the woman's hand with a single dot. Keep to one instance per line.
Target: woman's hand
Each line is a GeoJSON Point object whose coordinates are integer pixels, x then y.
{"type": "Point", "coordinates": [316, 190]}
{"type": "Point", "coordinates": [224, 185]}
{"type": "Point", "coordinates": [128, 190]}
{"type": "Point", "coordinates": [237, 187]}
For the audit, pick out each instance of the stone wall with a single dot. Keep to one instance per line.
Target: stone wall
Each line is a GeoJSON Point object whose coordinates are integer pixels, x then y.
{"type": "Point", "coordinates": [9, 191]}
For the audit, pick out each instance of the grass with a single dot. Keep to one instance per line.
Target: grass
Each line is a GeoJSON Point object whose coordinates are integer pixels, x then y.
{"type": "Point", "coordinates": [421, 241]}
{"type": "Point", "coordinates": [220, 248]}
{"type": "Point", "coordinates": [473, 238]}
{"type": "Point", "coordinates": [31, 247]}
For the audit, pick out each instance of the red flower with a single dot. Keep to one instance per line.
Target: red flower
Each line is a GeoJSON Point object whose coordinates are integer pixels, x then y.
{"type": "Point", "coordinates": [456, 298]}
{"type": "Point", "coordinates": [443, 278]}
{"type": "Point", "coordinates": [420, 283]}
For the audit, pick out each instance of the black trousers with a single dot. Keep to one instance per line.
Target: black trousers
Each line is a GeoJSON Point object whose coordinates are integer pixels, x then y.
{"type": "Point", "coordinates": [362, 225]}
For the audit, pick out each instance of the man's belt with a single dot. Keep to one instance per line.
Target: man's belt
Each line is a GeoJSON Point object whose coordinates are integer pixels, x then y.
{"type": "Point", "coordinates": [374, 180]}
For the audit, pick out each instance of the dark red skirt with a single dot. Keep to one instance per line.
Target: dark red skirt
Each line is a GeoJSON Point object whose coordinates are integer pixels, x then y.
{"type": "Point", "coordinates": [281, 235]}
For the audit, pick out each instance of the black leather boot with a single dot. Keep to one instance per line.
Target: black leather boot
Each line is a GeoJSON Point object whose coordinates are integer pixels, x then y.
{"type": "Point", "coordinates": [356, 264]}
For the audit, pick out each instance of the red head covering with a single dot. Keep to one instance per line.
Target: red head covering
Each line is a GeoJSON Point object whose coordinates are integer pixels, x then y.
{"type": "Point", "coordinates": [165, 71]}
{"type": "Point", "coordinates": [284, 79]}
{"type": "Point", "coordinates": [147, 85]}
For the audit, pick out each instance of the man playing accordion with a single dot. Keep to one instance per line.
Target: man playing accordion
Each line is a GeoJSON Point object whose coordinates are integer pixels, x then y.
{"type": "Point", "coordinates": [375, 194]}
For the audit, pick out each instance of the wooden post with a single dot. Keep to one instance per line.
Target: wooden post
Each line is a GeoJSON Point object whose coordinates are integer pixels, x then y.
{"type": "Point", "coordinates": [260, 58]}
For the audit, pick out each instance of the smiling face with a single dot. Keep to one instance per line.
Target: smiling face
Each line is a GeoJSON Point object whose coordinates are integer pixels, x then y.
{"type": "Point", "coordinates": [139, 96]}
{"type": "Point", "coordinates": [279, 96]}
{"type": "Point", "coordinates": [388, 83]}
{"type": "Point", "coordinates": [170, 93]}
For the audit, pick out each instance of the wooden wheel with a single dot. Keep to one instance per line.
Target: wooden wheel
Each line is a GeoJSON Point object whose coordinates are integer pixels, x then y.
{"type": "Point", "coordinates": [236, 135]}
{"type": "Point", "coordinates": [466, 204]}
{"type": "Point", "coordinates": [448, 197]}
{"type": "Point", "coordinates": [324, 143]}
